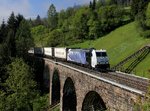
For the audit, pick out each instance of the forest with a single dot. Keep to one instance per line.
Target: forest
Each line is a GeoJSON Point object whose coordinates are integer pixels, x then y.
{"type": "Point", "coordinates": [20, 86]}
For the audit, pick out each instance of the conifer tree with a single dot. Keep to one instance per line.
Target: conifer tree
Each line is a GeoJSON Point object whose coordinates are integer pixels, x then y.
{"type": "Point", "coordinates": [11, 34]}
{"type": "Point", "coordinates": [3, 32]}
{"type": "Point", "coordinates": [38, 21]}
{"type": "Point", "coordinates": [23, 39]}
{"type": "Point", "coordinates": [19, 18]}
{"type": "Point", "coordinates": [94, 4]}
{"type": "Point", "coordinates": [52, 17]}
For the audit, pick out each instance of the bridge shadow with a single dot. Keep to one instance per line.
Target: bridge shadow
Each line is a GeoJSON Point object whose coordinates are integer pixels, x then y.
{"type": "Point", "coordinates": [69, 96]}
{"type": "Point", "coordinates": [93, 102]}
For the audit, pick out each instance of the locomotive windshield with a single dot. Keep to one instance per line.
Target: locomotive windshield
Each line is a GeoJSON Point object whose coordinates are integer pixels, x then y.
{"type": "Point", "coordinates": [101, 54]}
{"type": "Point", "coordinates": [104, 54]}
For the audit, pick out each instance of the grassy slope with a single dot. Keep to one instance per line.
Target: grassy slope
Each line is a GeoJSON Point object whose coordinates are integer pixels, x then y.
{"type": "Point", "coordinates": [121, 43]}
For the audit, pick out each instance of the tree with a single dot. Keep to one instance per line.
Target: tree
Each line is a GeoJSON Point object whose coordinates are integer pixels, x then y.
{"type": "Point", "coordinates": [23, 39]}
{"type": "Point", "coordinates": [10, 41]}
{"type": "Point", "coordinates": [19, 19]}
{"type": "Point", "coordinates": [21, 88]}
{"type": "Point", "coordinates": [56, 38]}
{"type": "Point", "coordinates": [61, 18]}
{"type": "Point", "coordinates": [110, 17]}
{"type": "Point", "coordinates": [40, 34]}
{"type": "Point", "coordinates": [146, 22]}
{"type": "Point", "coordinates": [138, 6]}
{"type": "Point", "coordinates": [79, 24]}
{"type": "Point", "coordinates": [4, 60]}
{"type": "Point", "coordinates": [90, 5]}
{"type": "Point", "coordinates": [11, 34]}
{"type": "Point", "coordinates": [148, 16]}
{"type": "Point", "coordinates": [38, 21]}
{"type": "Point", "coordinates": [94, 4]}
{"type": "Point", "coordinates": [139, 11]}
{"type": "Point", "coordinates": [52, 17]}
{"type": "Point", "coordinates": [70, 12]}
{"type": "Point", "coordinates": [12, 22]}
{"type": "Point", "coordinates": [94, 29]}
{"type": "Point", "coordinates": [3, 32]}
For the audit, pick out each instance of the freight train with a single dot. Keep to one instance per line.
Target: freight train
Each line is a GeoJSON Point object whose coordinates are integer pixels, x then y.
{"type": "Point", "coordinates": [92, 58]}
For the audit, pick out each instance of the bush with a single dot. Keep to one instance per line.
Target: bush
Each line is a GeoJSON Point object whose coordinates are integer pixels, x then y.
{"type": "Point", "coordinates": [41, 103]}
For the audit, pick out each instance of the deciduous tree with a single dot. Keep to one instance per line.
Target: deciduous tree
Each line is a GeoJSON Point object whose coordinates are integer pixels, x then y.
{"type": "Point", "coordinates": [21, 87]}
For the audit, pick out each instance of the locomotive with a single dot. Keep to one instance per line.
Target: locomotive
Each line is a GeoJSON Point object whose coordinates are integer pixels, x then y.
{"type": "Point", "coordinates": [95, 59]}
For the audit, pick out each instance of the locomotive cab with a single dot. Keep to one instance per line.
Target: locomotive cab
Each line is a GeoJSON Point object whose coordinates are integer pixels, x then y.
{"type": "Point", "coordinates": [99, 59]}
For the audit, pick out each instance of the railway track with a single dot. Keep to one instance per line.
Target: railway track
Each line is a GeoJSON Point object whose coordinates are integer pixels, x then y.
{"type": "Point", "coordinates": [129, 80]}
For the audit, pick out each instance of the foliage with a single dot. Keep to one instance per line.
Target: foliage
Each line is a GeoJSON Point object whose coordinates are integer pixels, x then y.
{"type": "Point", "coordinates": [11, 22]}
{"type": "Point", "coordinates": [61, 17]}
{"type": "Point", "coordinates": [20, 87]}
{"type": "Point", "coordinates": [146, 105]}
{"type": "Point", "coordinates": [19, 19]}
{"type": "Point", "coordinates": [110, 17]}
{"type": "Point", "coordinates": [148, 15]}
{"type": "Point", "coordinates": [12, 25]}
{"type": "Point", "coordinates": [38, 21]}
{"type": "Point", "coordinates": [140, 10]}
{"type": "Point", "coordinates": [3, 32]}
{"type": "Point", "coordinates": [92, 5]}
{"type": "Point", "coordinates": [52, 17]}
{"type": "Point", "coordinates": [23, 39]}
{"type": "Point", "coordinates": [134, 7]}
{"type": "Point", "coordinates": [40, 35]}
{"type": "Point", "coordinates": [146, 32]}
{"type": "Point", "coordinates": [4, 60]}
{"type": "Point", "coordinates": [41, 103]}
{"type": "Point", "coordinates": [79, 24]}
{"type": "Point", "coordinates": [143, 104]}
{"type": "Point", "coordinates": [56, 38]}
{"type": "Point", "coordinates": [94, 29]}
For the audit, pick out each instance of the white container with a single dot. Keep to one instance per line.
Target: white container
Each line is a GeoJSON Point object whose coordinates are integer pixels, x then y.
{"type": "Point", "coordinates": [60, 53]}
{"type": "Point", "coordinates": [48, 51]}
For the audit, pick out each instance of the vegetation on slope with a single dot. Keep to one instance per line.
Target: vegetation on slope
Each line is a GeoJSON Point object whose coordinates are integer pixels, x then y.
{"type": "Point", "coordinates": [120, 44]}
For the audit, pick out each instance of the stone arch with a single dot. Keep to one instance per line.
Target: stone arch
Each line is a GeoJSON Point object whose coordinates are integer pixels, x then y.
{"type": "Point", "coordinates": [69, 96]}
{"type": "Point", "coordinates": [55, 87]}
{"type": "Point", "coordinates": [93, 102]}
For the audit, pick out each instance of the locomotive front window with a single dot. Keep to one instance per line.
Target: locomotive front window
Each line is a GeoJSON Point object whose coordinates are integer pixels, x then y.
{"type": "Point", "coordinates": [101, 54]}
{"type": "Point", "coordinates": [98, 54]}
{"type": "Point", "coordinates": [104, 54]}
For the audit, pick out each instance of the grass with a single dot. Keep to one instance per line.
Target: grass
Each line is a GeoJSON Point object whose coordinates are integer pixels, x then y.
{"type": "Point", "coordinates": [121, 43]}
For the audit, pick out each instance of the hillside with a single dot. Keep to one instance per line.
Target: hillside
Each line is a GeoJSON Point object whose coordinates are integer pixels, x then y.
{"type": "Point", "coordinates": [121, 43]}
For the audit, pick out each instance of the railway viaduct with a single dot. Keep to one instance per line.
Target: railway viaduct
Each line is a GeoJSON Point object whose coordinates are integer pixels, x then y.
{"type": "Point", "coordinates": [86, 90]}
